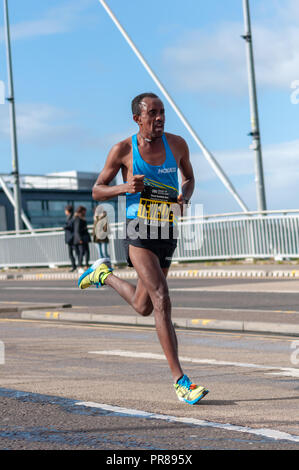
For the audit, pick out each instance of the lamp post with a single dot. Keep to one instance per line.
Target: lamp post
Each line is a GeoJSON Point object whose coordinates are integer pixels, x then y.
{"type": "Point", "coordinates": [255, 131]}
{"type": "Point", "coordinates": [13, 129]}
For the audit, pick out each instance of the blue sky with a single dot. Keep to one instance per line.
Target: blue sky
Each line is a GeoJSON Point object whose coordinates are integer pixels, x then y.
{"type": "Point", "coordinates": [75, 77]}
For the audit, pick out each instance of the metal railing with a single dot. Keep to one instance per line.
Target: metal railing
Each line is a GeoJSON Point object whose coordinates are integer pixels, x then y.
{"type": "Point", "coordinates": [272, 234]}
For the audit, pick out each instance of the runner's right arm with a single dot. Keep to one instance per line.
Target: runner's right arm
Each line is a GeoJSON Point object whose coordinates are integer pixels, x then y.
{"type": "Point", "coordinates": [101, 190]}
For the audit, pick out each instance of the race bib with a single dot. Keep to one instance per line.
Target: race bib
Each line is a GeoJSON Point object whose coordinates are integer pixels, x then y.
{"type": "Point", "coordinates": [157, 205]}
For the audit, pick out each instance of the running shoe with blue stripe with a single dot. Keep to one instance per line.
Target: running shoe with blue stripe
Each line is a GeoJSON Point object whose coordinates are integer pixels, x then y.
{"type": "Point", "coordinates": [96, 274]}
{"type": "Point", "coordinates": [189, 392]}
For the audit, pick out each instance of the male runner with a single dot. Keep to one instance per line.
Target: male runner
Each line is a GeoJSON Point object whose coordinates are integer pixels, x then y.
{"type": "Point", "coordinates": [149, 162]}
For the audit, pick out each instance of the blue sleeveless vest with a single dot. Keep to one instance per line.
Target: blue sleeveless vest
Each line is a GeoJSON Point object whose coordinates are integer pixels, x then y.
{"type": "Point", "coordinates": [160, 185]}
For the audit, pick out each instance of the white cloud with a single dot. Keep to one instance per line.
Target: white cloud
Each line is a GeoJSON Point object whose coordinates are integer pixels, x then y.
{"type": "Point", "coordinates": [287, 11]}
{"type": "Point", "coordinates": [281, 159]}
{"type": "Point", "coordinates": [203, 61]}
{"type": "Point", "coordinates": [43, 124]}
{"type": "Point", "coordinates": [40, 123]}
{"type": "Point", "coordinates": [215, 60]}
{"type": "Point", "coordinates": [55, 20]}
{"type": "Point", "coordinates": [106, 141]}
{"type": "Point", "coordinates": [277, 56]}
{"type": "Point", "coordinates": [281, 174]}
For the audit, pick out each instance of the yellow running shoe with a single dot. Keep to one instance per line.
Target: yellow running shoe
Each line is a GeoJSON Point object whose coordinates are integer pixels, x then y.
{"type": "Point", "coordinates": [96, 274]}
{"type": "Point", "coordinates": [189, 392]}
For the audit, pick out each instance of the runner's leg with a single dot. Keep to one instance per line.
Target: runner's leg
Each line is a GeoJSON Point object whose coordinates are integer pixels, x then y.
{"type": "Point", "coordinates": [137, 296]}
{"type": "Point", "coordinates": [150, 273]}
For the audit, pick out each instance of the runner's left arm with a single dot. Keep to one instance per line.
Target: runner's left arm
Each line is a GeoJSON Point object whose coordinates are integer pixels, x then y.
{"type": "Point", "coordinates": [186, 173]}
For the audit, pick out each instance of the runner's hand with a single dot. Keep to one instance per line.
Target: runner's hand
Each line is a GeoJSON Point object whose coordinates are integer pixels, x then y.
{"type": "Point", "coordinates": [135, 184]}
{"type": "Point", "coordinates": [181, 202]}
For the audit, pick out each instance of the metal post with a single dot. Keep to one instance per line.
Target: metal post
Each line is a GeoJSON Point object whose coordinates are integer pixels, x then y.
{"type": "Point", "coordinates": [255, 131]}
{"type": "Point", "coordinates": [12, 201]}
{"type": "Point", "coordinates": [13, 130]}
{"type": "Point", "coordinates": [210, 158]}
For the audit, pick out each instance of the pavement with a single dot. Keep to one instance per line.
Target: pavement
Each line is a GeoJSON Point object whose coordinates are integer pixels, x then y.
{"type": "Point", "coordinates": [238, 320]}
{"type": "Point", "coordinates": [241, 269]}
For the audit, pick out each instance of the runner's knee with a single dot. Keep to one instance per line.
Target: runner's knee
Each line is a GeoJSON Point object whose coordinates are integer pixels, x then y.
{"type": "Point", "coordinates": [145, 309]}
{"type": "Point", "coordinates": [161, 299]}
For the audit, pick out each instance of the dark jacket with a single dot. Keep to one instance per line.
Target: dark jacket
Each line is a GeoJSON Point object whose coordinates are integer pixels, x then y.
{"type": "Point", "coordinates": [69, 230]}
{"type": "Point", "coordinates": [80, 231]}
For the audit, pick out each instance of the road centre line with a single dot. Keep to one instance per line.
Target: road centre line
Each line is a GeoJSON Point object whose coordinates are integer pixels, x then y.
{"type": "Point", "coordinates": [264, 432]}
{"type": "Point", "coordinates": [285, 371]}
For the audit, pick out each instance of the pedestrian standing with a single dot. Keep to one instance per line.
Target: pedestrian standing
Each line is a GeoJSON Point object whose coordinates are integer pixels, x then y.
{"type": "Point", "coordinates": [81, 236]}
{"type": "Point", "coordinates": [101, 231]}
{"type": "Point", "coordinates": [69, 234]}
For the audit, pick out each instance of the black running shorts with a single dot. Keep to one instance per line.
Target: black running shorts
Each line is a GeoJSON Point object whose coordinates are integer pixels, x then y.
{"type": "Point", "coordinates": [162, 248]}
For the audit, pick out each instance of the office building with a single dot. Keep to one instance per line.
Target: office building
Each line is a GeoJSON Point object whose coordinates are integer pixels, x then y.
{"type": "Point", "coordinates": [44, 198]}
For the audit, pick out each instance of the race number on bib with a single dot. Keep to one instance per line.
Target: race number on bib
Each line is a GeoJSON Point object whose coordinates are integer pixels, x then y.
{"type": "Point", "coordinates": [157, 204]}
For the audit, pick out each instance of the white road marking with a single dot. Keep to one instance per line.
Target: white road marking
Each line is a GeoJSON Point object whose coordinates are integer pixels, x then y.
{"type": "Point", "coordinates": [234, 290]}
{"type": "Point", "coordinates": [233, 309]}
{"type": "Point", "coordinates": [46, 288]}
{"type": "Point", "coordinates": [174, 289]}
{"type": "Point", "coordinates": [284, 371]}
{"type": "Point", "coordinates": [264, 432]}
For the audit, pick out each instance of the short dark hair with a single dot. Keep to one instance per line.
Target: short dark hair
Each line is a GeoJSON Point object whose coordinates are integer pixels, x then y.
{"type": "Point", "coordinates": [137, 100]}
{"type": "Point", "coordinates": [80, 210]}
{"type": "Point", "coordinates": [69, 208]}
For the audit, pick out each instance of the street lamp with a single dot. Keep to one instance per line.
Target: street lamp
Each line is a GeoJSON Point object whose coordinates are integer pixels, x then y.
{"type": "Point", "coordinates": [13, 130]}
{"type": "Point", "coordinates": [255, 131]}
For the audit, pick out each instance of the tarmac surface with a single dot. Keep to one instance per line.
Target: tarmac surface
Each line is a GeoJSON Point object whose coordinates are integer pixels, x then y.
{"type": "Point", "coordinates": [70, 354]}
{"type": "Point", "coordinates": [236, 297]}
{"type": "Point", "coordinates": [93, 386]}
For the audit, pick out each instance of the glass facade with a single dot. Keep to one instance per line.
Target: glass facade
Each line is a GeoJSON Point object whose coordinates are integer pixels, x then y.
{"type": "Point", "coordinates": [50, 213]}
{"type": "Point", "coordinates": [45, 209]}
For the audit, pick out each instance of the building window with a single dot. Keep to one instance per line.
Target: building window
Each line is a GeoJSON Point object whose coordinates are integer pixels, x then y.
{"type": "Point", "coordinates": [36, 208]}
{"type": "Point", "coordinates": [50, 213]}
{"type": "Point", "coordinates": [56, 207]}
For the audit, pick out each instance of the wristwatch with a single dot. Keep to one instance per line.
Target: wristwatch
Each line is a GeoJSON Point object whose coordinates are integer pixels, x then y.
{"type": "Point", "coordinates": [186, 201]}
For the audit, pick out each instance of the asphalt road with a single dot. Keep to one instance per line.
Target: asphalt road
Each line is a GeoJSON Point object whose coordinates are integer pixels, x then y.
{"type": "Point", "coordinates": [79, 386]}
{"type": "Point", "coordinates": [257, 300]}
{"type": "Point", "coordinates": [73, 386]}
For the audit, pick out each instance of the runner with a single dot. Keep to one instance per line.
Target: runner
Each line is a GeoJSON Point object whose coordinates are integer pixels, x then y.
{"type": "Point", "coordinates": [149, 162]}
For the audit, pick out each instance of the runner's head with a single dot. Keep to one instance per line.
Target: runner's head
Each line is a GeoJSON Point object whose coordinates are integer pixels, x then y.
{"type": "Point", "coordinates": [148, 112]}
